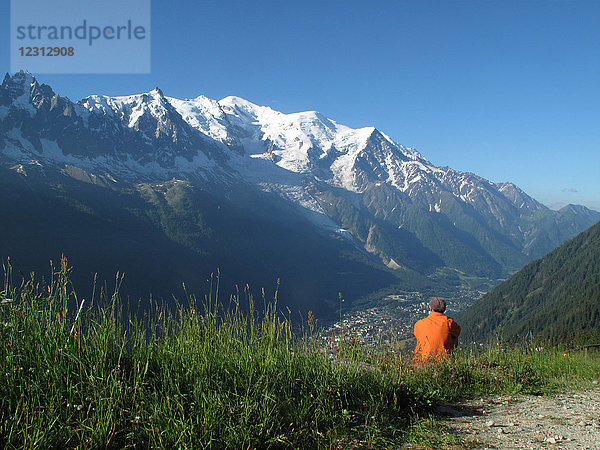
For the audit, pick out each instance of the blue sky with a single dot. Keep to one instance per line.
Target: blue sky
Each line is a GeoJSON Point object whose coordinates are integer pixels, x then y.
{"type": "Point", "coordinates": [509, 90]}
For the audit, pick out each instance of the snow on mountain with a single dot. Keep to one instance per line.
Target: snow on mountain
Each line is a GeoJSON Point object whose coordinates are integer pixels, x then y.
{"type": "Point", "coordinates": [133, 110]}
{"type": "Point", "coordinates": [336, 174]}
{"type": "Point", "coordinates": [281, 152]}
{"type": "Point", "coordinates": [304, 142]}
{"type": "Point", "coordinates": [20, 90]}
{"type": "Point", "coordinates": [312, 145]}
{"type": "Point", "coordinates": [264, 145]}
{"type": "Point", "coordinates": [206, 116]}
{"type": "Point", "coordinates": [519, 198]}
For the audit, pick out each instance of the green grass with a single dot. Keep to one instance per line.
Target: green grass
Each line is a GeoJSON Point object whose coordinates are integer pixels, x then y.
{"type": "Point", "coordinates": [212, 377]}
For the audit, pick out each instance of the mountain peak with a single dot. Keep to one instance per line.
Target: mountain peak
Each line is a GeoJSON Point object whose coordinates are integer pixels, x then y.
{"type": "Point", "coordinates": [576, 209]}
{"type": "Point", "coordinates": [19, 89]}
{"type": "Point", "coordinates": [240, 105]}
{"type": "Point", "coordinates": [19, 83]}
{"type": "Point", "coordinates": [22, 77]}
{"type": "Point", "coordinates": [519, 198]}
{"type": "Point", "coordinates": [156, 92]}
{"type": "Point", "coordinates": [235, 100]}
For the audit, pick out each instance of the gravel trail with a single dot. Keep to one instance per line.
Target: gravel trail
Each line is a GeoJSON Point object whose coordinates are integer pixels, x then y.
{"type": "Point", "coordinates": [570, 420]}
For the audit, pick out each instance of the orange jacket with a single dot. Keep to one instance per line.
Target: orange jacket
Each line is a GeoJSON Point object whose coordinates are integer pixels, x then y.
{"type": "Point", "coordinates": [436, 335]}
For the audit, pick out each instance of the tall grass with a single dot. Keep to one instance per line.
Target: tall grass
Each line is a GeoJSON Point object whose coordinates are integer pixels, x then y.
{"type": "Point", "coordinates": [206, 376]}
{"type": "Point", "coordinates": [191, 378]}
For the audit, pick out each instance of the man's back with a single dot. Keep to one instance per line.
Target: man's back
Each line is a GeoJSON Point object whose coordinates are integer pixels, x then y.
{"type": "Point", "coordinates": [436, 335]}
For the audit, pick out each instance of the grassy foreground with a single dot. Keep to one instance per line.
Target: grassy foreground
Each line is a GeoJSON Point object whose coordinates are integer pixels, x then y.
{"type": "Point", "coordinates": [90, 377]}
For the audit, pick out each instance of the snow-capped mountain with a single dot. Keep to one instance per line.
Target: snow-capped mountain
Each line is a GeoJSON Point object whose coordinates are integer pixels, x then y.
{"type": "Point", "coordinates": [304, 143]}
{"type": "Point", "coordinates": [387, 199]}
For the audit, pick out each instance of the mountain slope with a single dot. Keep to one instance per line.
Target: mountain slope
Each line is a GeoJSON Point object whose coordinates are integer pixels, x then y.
{"type": "Point", "coordinates": [354, 191]}
{"type": "Point", "coordinates": [555, 297]}
{"type": "Point", "coordinates": [164, 235]}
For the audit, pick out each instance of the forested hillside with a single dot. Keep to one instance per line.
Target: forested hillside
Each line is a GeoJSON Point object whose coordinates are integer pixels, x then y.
{"type": "Point", "coordinates": [556, 297]}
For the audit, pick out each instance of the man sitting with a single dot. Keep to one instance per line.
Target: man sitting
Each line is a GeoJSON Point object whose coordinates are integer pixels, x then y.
{"type": "Point", "coordinates": [437, 334]}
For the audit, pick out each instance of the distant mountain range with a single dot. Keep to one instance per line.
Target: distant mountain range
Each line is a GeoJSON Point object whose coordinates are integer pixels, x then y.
{"type": "Point", "coordinates": [556, 297]}
{"type": "Point", "coordinates": [175, 188]}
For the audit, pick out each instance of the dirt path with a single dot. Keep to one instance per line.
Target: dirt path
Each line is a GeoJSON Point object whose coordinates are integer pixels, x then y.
{"type": "Point", "coordinates": [570, 421]}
